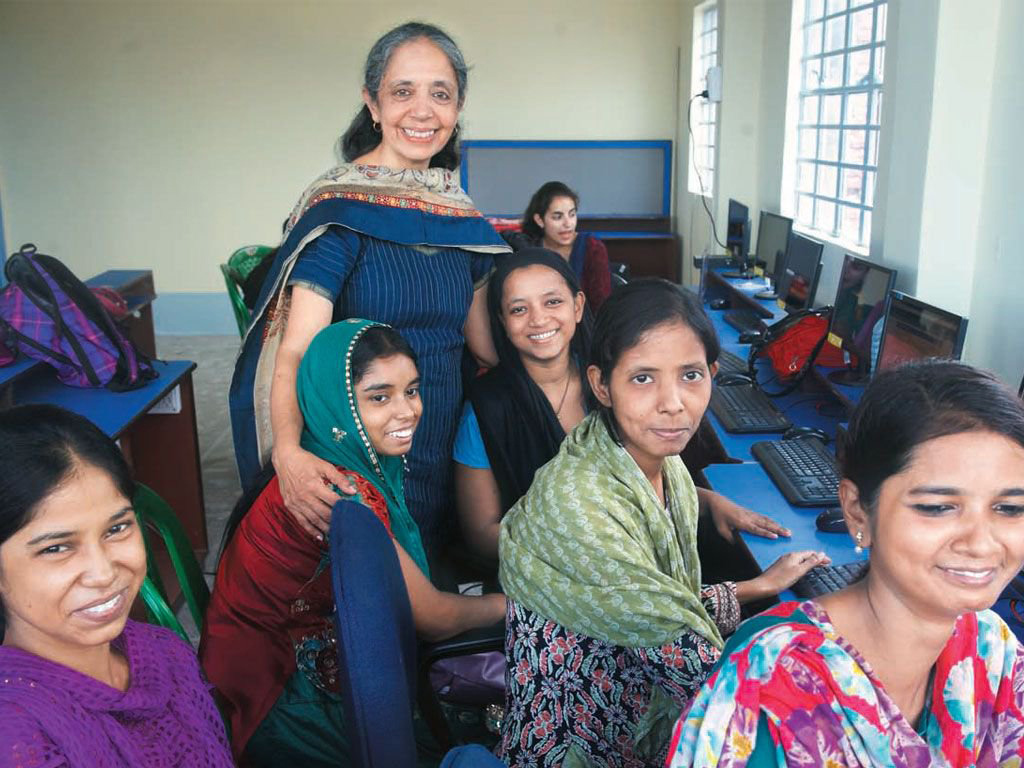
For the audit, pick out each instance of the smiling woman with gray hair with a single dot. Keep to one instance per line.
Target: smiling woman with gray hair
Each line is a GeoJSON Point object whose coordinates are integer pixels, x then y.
{"type": "Point", "coordinates": [389, 236]}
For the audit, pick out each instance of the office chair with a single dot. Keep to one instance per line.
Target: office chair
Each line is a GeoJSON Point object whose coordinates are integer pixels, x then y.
{"type": "Point", "coordinates": [376, 639]}
{"type": "Point", "coordinates": [155, 514]}
{"type": "Point", "coordinates": [377, 647]}
{"type": "Point", "coordinates": [237, 268]}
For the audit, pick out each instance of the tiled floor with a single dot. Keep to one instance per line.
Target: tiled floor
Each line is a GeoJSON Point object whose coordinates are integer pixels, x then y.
{"type": "Point", "coordinates": [215, 359]}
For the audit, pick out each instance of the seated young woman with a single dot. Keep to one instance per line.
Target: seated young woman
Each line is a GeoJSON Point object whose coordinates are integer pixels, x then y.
{"type": "Point", "coordinates": [906, 667]}
{"type": "Point", "coordinates": [268, 642]}
{"type": "Point", "coordinates": [609, 630]}
{"type": "Point", "coordinates": [550, 222]}
{"type": "Point", "coordinates": [519, 412]}
{"type": "Point", "coordinates": [81, 685]}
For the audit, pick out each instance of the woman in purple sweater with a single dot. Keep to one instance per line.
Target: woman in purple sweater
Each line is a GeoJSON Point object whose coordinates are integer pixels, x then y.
{"type": "Point", "coordinates": [81, 686]}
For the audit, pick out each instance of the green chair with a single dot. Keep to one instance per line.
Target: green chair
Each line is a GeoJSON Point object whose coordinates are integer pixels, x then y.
{"type": "Point", "coordinates": [155, 514]}
{"type": "Point", "coordinates": [237, 268]}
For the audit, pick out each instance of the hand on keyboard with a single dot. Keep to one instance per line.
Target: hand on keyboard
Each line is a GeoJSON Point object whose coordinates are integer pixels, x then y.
{"type": "Point", "coordinates": [781, 574]}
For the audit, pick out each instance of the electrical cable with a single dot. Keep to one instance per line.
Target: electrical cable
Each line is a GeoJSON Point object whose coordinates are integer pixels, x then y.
{"type": "Point", "coordinates": [693, 160]}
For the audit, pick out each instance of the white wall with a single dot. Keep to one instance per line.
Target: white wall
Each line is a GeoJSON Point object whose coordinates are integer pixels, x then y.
{"type": "Point", "coordinates": [167, 133]}
{"type": "Point", "coordinates": [996, 308]}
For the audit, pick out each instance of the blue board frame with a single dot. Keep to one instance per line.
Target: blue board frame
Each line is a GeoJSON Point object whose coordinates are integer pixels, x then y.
{"type": "Point", "coordinates": [665, 145]}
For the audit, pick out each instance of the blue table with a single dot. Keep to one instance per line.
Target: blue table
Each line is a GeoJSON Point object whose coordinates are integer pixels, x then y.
{"type": "Point", "coordinates": [749, 485]}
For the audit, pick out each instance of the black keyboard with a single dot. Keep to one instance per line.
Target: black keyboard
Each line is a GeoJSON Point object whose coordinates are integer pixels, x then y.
{"type": "Point", "coordinates": [743, 408]}
{"type": "Point", "coordinates": [823, 579]}
{"type": "Point", "coordinates": [744, 320]}
{"type": "Point", "coordinates": [730, 363]}
{"type": "Point", "coordinates": [804, 470]}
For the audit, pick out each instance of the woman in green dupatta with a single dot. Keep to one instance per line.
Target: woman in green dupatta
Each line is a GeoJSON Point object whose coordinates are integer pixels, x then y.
{"type": "Point", "coordinates": [268, 642]}
{"type": "Point", "coordinates": [609, 629]}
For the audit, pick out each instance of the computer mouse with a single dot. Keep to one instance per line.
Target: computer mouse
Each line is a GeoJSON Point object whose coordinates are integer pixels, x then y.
{"type": "Point", "coordinates": [798, 433]}
{"type": "Point", "coordinates": [732, 379]}
{"type": "Point", "coordinates": [831, 520]}
{"type": "Point", "coordinates": [750, 337]}
{"type": "Point", "coordinates": [770, 295]}
{"type": "Point", "coordinates": [719, 304]}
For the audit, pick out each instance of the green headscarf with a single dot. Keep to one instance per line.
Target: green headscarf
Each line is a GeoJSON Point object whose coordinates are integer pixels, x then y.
{"type": "Point", "coordinates": [333, 429]}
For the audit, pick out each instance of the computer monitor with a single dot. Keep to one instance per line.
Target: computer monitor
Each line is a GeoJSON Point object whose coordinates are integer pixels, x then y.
{"type": "Point", "coordinates": [859, 306]}
{"type": "Point", "coordinates": [737, 233]}
{"type": "Point", "coordinates": [773, 233]}
{"type": "Point", "coordinates": [800, 275]}
{"type": "Point", "coordinates": [916, 331]}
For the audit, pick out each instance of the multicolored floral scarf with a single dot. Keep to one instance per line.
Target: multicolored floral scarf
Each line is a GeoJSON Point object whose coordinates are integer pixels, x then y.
{"type": "Point", "coordinates": [787, 675]}
{"type": "Point", "coordinates": [404, 206]}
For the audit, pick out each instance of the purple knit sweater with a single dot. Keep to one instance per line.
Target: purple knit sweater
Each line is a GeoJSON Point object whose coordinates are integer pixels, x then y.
{"type": "Point", "coordinates": [55, 717]}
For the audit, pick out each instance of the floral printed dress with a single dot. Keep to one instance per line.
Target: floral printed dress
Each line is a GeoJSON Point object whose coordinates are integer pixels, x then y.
{"type": "Point", "coordinates": [576, 700]}
{"type": "Point", "coordinates": [791, 692]}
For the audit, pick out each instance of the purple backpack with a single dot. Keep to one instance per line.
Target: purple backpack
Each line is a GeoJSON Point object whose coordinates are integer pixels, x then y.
{"type": "Point", "coordinates": [50, 315]}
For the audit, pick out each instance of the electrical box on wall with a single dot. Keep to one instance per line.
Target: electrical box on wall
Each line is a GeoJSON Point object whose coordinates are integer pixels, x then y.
{"type": "Point", "coordinates": [714, 81]}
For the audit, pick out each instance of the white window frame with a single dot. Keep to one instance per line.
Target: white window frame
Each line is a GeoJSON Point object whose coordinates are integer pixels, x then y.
{"type": "Point", "coordinates": [826, 152]}
{"type": "Point", "coordinates": [703, 113]}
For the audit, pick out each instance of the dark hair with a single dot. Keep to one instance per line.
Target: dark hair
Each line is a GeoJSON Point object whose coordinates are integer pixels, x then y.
{"type": "Point", "coordinates": [508, 355]}
{"type": "Point", "coordinates": [906, 406]}
{"type": "Point", "coordinates": [539, 204]}
{"type": "Point", "coordinates": [42, 445]}
{"type": "Point", "coordinates": [640, 305]}
{"type": "Point", "coordinates": [360, 137]}
{"type": "Point", "coordinates": [376, 342]}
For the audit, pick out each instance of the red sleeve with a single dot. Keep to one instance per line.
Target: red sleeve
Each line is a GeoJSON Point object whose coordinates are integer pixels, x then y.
{"type": "Point", "coordinates": [372, 498]}
{"type": "Point", "coordinates": [597, 278]}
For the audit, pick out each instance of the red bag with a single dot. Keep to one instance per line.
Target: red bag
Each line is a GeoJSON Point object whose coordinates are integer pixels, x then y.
{"type": "Point", "coordinates": [112, 301]}
{"type": "Point", "coordinates": [796, 341]}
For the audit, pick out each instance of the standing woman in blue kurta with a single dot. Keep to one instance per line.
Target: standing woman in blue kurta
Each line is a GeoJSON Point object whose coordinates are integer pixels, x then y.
{"type": "Point", "coordinates": [388, 236]}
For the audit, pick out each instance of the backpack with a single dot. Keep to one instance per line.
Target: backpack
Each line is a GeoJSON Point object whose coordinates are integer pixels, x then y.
{"type": "Point", "coordinates": [50, 315]}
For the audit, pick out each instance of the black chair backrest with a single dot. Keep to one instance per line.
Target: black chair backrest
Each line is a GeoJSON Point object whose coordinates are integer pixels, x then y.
{"type": "Point", "coordinates": [376, 639]}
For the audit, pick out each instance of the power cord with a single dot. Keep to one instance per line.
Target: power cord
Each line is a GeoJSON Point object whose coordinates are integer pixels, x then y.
{"type": "Point", "coordinates": [693, 159]}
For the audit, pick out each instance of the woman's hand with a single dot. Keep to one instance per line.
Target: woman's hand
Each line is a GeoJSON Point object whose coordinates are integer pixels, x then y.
{"type": "Point", "coordinates": [782, 574]}
{"type": "Point", "coordinates": [728, 516]}
{"type": "Point", "coordinates": [306, 487]}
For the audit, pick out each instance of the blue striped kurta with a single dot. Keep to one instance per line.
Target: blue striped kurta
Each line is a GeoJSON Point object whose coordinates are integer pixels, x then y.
{"type": "Point", "coordinates": [425, 294]}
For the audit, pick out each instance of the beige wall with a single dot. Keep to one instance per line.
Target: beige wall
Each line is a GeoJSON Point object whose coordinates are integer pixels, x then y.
{"type": "Point", "coordinates": [167, 133]}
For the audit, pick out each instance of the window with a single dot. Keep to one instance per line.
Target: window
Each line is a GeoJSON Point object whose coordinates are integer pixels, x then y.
{"type": "Point", "coordinates": [704, 114]}
{"type": "Point", "coordinates": [833, 116]}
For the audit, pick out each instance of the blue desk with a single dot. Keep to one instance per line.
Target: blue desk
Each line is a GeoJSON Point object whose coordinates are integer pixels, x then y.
{"type": "Point", "coordinates": [162, 449]}
{"type": "Point", "coordinates": [749, 485]}
{"type": "Point", "coordinates": [20, 368]}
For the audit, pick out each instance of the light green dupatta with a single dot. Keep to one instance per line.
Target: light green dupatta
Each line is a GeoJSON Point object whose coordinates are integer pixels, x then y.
{"type": "Point", "coordinates": [591, 547]}
{"type": "Point", "coordinates": [334, 431]}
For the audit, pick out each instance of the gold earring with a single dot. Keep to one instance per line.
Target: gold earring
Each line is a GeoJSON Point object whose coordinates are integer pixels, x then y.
{"type": "Point", "coordinates": [860, 538]}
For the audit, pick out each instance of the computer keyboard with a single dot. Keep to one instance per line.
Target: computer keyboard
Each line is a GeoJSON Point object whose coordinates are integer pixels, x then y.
{"type": "Point", "coordinates": [744, 320]}
{"type": "Point", "coordinates": [823, 579]}
{"type": "Point", "coordinates": [804, 470]}
{"type": "Point", "coordinates": [743, 408]}
{"type": "Point", "coordinates": [730, 363]}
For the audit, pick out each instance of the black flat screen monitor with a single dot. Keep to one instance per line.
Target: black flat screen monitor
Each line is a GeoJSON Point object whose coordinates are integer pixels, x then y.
{"type": "Point", "coordinates": [860, 304]}
{"type": "Point", "coordinates": [917, 331]}
{"type": "Point", "coordinates": [773, 233]}
{"type": "Point", "coordinates": [737, 233]}
{"type": "Point", "coordinates": [799, 278]}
